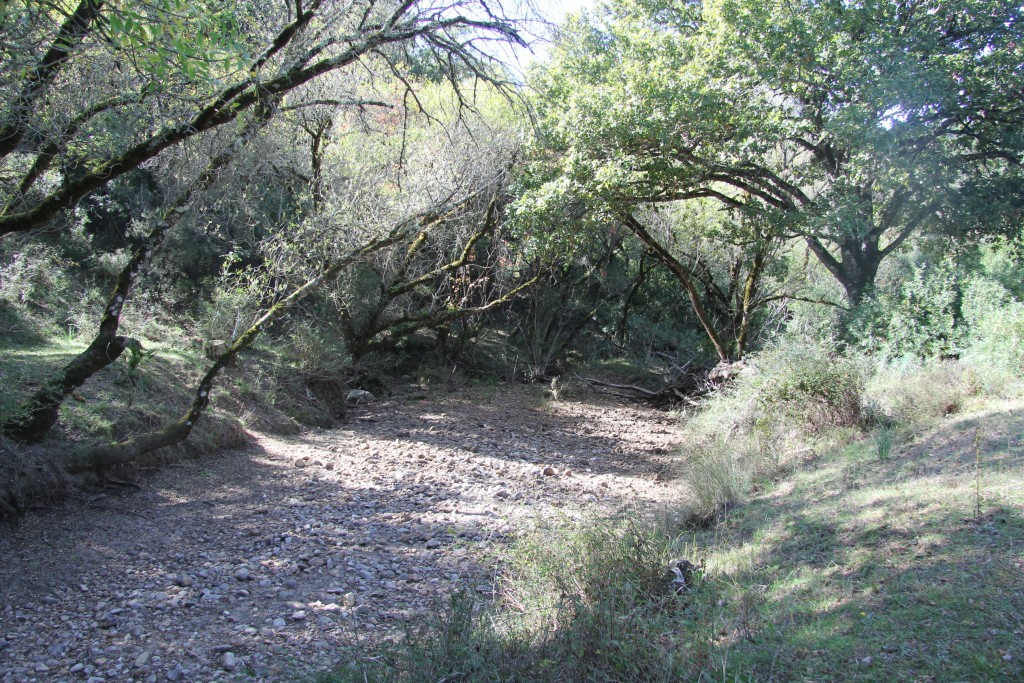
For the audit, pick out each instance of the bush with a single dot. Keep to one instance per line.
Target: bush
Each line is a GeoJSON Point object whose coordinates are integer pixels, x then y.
{"type": "Point", "coordinates": [38, 284]}
{"type": "Point", "coordinates": [910, 392]}
{"type": "Point", "coordinates": [995, 346]}
{"type": "Point", "coordinates": [808, 384]}
{"type": "Point", "coordinates": [791, 393]}
{"type": "Point", "coordinates": [915, 316]}
{"type": "Point", "coordinates": [719, 474]}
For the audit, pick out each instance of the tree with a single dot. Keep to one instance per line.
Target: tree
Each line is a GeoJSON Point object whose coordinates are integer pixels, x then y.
{"type": "Point", "coordinates": [853, 125]}
{"type": "Point", "coordinates": [218, 83]}
{"type": "Point", "coordinates": [180, 87]}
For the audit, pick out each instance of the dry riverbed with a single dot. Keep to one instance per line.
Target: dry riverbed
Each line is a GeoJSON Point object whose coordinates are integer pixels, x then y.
{"type": "Point", "coordinates": [260, 563]}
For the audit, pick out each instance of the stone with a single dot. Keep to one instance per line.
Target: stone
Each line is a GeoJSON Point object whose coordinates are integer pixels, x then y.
{"type": "Point", "coordinates": [549, 471]}
{"type": "Point", "coordinates": [298, 615]}
{"type": "Point", "coordinates": [278, 623]}
{"type": "Point", "coordinates": [228, 662]}
{"type": "Point", "coordinates": [243, 574]}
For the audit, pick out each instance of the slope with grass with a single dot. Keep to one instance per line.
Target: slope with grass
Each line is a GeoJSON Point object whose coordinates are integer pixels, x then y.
{"type": "Point", "coordinates": [862, 564]}
{"type": "Point", "coordinates": [861, 567]}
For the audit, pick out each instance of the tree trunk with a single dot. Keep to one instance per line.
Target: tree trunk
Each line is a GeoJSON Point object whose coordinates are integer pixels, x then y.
{"type": "Point", "coordinates": [684, 278]}
{"type": "Point", "coordinates": [856, 267]}
{"type": "Point", "coordinates": [40, 412]}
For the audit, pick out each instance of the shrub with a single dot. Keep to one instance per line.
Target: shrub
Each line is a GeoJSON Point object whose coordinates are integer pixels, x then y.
{"type": "Point", "coordinates": [909, 392]}
{"type": "Point", "coordinates": [995, 347]}
{"type": "Point", "coordinates": [39, 284]}
{"type": "Point", "coordinates": [719, 474]}
{"type": "Point", "coordinates": [808, 384]}
{"type": "Point", "coordinates": [916, 316]}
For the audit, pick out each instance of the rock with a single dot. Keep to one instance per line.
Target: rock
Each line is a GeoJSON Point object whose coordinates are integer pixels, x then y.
{"type": "Point", "coordinates": [350, 599]}
{"type": "Point", "coordinates": [433, 543]}
{"type": "Point", "coordinates": [228, 662]}
{"type": "Point", "coordinates": [143, 659]}
{"type": "Point", "coordinates": [291, 584]}
{"type": "Point", "coordinates": [299, 615]}
{"type": "Point", "coordinates": [329, 466]}
{"type": "Point", "coordinates": [301, 462]}
{"type": "Point", "coordinates": [278, 623]}
{"type": "Point", "coordinates": [175, 674]}
{"type": "Point", "coordinates": [183, 580]}
{"type": "Point", "coordinates": [243, 574]}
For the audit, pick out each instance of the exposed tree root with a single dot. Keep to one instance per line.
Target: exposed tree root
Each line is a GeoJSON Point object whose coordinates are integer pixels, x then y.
{"type": "Point", "coordinates": [685, 384]}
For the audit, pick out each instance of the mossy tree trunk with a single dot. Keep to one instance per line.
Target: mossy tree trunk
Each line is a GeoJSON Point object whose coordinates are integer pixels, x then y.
{"type": "Point", "coordinates": [40, 412]}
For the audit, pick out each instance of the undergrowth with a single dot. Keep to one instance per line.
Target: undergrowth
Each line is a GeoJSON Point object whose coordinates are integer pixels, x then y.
{"type": "Point", "coordinates": [855, 567]}
{"type": "Point", "coordinates": [594, 602]}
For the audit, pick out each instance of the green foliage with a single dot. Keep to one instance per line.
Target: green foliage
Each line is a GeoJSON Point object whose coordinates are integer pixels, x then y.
{"type": "Point", "coordinates": [737, 100]}
{"type": "Point", "coordinates": [808, 383]}
{"type": "Point", "coordinates": [995, 349]}
{"type": "Point", "coordinates": [917, 315]}
{"type": "Point", "coordinates": [883, 442]}
{"type": "Point", "coordinates": [133, 362]}
{"type": "Point", "coordinates": [46, 292]}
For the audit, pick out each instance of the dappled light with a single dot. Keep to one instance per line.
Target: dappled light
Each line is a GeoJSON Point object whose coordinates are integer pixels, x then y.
{"type": "Point", "coordinates": [511, 340]}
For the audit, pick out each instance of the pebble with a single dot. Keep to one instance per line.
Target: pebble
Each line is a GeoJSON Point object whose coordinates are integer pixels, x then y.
{"type": "Point", "coordinates": [255, 544]}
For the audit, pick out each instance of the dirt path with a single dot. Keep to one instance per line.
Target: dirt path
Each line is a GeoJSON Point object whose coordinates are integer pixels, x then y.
{"type": "Point", "coordinates": [257, 564]}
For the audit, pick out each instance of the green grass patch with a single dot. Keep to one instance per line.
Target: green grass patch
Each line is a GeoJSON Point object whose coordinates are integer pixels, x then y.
{"type": "Point", "coordinates": [852, 568]}
{"type": "Point", "coordinates": [877, 569]}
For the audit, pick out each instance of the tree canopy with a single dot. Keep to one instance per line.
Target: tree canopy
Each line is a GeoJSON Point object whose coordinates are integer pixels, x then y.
{"type": "Point", "coordinates": [850, 125]}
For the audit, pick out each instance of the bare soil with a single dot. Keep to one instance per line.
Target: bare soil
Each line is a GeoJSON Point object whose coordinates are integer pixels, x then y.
{"type": "Point", "coordinates": [261, 563]}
